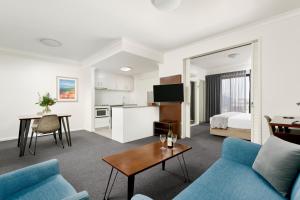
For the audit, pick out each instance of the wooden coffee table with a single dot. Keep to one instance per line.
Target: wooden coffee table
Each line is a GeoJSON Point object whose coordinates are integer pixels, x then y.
{"type": "Point", "coordinates": [136, 160]}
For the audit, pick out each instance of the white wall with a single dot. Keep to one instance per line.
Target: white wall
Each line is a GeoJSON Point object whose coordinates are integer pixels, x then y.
{"type": "Point", "coordinates": [280, 61]}
{"type": "Point", "coordinates": [143, 83]}
{"type": "Point", "coordinates": [197, 73]}
{"type": "Point", "coordinates": [226, 69]}
{"type": "Point", "coordinates": [88, 94]}
{"type": "Point", "coordinates": [21, 78]}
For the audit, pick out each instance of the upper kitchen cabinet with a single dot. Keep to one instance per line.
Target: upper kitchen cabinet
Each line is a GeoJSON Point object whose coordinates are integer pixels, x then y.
{"type": "Point", "coordinates": [124, 83]}
{"type": "Point", "coordinates": [103, 82]}
{"type": "Point", "coordinates": [109, 81]}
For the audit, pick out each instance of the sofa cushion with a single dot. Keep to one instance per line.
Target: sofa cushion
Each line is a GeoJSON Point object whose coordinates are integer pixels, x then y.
{"type": "Point", "coordinates": [226, 179]}
{"type": "Point", "coordinates": [12, 182]}
{"type": "Point", "coordinates": [240, 151]}
{"type": "Point", "coordinates": [278, 162]}
{"type": "Point", "coordinates": [53, 188]}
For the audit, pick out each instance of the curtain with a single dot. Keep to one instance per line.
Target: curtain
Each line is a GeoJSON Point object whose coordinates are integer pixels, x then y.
{"type": "Point", "coordinates": [213, 92]}
{"type": "Point", "coordinates": [235, 92]}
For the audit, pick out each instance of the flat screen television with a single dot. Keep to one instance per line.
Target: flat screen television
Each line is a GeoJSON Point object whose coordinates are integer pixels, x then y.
{"type": "Point", "coordinates": [168, 93]}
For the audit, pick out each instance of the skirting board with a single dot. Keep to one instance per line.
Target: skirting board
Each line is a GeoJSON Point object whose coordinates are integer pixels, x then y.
{"type": "Point", "coordinates": [8, 138]}
{"type": "Point", "coordinates": [16, 137]}
{"type": "Point", "coordinates": [232, 132]}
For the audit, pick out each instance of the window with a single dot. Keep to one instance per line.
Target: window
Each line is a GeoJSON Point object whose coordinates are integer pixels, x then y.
{"type": "Point", "coordinates": [235, 92]}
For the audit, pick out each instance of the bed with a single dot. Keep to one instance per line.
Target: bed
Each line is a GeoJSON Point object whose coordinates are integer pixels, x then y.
{"type": "Point", "coordinates": [233, 124]}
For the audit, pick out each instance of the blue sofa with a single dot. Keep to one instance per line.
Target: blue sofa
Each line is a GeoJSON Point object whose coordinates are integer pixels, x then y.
{"type": "Point", "coordinates": [232, 177]}
{"type": "Point", "coordinates": [38, 182]}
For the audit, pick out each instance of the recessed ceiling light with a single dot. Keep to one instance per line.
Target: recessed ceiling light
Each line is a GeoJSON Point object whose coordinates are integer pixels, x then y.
{"type": "Point", "coordinates": [166, 5]}
{"type": "Point", "coordinates": [233, 55]}
{"type": "Point", "coordinates": [125, 69]}
{"type": "Point", "coordinates": [50, 42]}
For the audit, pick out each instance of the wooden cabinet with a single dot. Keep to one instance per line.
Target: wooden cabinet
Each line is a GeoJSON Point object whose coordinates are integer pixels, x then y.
{"type": "Point", "coordinates": [163, 127]}
{"type": "Point", "coordinates": [108, 81]}
{"type": "Point", "coordinates": [171, 111]}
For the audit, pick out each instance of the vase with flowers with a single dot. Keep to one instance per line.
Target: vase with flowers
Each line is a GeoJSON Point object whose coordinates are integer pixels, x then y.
{"type": "Point", "coordinates": [46, 101]}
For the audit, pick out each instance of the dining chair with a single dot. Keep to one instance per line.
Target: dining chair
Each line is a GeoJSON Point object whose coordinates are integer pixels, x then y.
{"type": "Point", "coordinates": [271, 129]}
{"type": "Point", "coordinates": [47, 124]}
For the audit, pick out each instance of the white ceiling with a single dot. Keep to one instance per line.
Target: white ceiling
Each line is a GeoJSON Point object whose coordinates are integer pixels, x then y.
{"type": "Point", "coordinates": [84, 27]}
{"type": "Point", "coordinates": [221, 59]}
{"type": "Point", "coordinates": [138, 64]}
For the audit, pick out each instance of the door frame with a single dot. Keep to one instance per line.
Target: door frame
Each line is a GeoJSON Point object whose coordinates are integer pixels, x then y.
{"type": "Point", "coordinates": [194, 100]}
{"type": "Point", "coordinates": [256, 96]}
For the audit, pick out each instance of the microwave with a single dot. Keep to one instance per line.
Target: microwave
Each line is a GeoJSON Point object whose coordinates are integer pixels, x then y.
{"type": "Point", "coordinates": [102, 112]}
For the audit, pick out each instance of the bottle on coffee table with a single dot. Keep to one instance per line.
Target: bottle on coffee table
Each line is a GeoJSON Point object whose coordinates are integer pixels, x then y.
{"type": "Point", "coordinates": [169, 138]}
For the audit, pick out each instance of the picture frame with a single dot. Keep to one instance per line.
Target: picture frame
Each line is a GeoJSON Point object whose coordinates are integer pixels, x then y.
{"type": "Point", "coordinates": [66, 89]}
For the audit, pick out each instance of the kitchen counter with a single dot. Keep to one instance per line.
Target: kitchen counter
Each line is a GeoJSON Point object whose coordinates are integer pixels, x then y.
{"type": "Point", "coordinates": [131, 123]}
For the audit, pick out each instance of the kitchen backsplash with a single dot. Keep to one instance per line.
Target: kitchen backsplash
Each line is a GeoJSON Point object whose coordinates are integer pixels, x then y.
{"type": "Point", "coordinates": [113, 97]}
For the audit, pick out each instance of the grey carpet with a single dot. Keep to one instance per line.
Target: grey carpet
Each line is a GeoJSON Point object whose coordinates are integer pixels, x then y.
{"type": "Point", "coordinates": [82, 166]}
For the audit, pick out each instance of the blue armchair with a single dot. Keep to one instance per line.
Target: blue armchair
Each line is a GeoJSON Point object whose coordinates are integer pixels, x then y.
{"type": "Point", "coordinates": [38, 182]}
{"type": "Point", "coordinates": [231, 177]}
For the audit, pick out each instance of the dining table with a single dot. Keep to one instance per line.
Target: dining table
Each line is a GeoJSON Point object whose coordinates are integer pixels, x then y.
{"type": "Point", "coordinates": [25, 122]}
{"type": "Point", "coordinates": [286, 121]}
{"type": "Point", "coordinates": [286, 128]}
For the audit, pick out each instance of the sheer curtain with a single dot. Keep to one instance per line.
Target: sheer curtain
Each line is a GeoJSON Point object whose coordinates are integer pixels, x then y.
{"type": "Point", "coordinates": [235, 92]}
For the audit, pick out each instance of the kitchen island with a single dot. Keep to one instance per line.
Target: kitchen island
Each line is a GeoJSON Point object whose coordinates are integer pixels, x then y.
{"type": "Point", "coordinates": [131, 123]}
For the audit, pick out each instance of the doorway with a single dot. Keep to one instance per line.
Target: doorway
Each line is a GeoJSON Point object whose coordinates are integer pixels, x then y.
{"type": "Point", "coordinates": [201, 101]}
{"type": "Point", "coordinates": [252, 71]}
{"type": "Point", "coordinates": [193, 109]}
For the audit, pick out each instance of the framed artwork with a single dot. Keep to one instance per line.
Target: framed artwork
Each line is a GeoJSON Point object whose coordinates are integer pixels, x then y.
{"type": "Point", "coordinates": [66, 89]}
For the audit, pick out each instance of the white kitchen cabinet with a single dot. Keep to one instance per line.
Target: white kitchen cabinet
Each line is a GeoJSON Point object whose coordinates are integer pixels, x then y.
{"type": "Point", "coordinates": [129, 85]}
{"type": "Point", "coordinates": [124, 83]}
{"type": "Point", "coordinates": [129, 123]}
{"type": "Point", "coordinates": [114, 82]}
{"type": "Point", "coordinates": [102, 122]}
{"type": "Point", "coordinates": [104, 82]}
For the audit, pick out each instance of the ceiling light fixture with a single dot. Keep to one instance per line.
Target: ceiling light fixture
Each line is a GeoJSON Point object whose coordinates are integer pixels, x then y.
{"type": "Point", "coordinates": [125, 69]}
{"type": "Point", "coordinates": [166, 5]}
{"type": "Point", "coordinates": [233, 55]}
{"type": "Point", "coordinates": [50, 42]}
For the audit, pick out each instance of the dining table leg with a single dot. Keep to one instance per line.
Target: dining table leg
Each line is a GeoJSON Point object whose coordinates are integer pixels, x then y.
{"type": "Point", "coordinates": [60, 132]}
{"type": "Point", "coordinates": [21, 134]}
{"type": "Point", "coordinates": [25, 125]}
{"type": "Point", "coordinates": [66, 132]}
{"type": "Point", "coordinates": [68, 129]}
{"type": "Point", "coordinates": [20, 131]}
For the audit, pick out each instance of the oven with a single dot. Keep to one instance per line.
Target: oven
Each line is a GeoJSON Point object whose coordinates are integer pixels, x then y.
{"type": "Point", "coordinates": [102, 111]}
